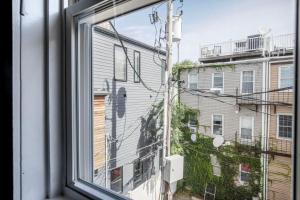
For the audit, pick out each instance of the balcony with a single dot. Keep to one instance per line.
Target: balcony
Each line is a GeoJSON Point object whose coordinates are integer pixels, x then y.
{"type": "Point", "coordinates": [275, 146]}
{"type": "Point", "coordinates": [276, 97]}
{"type": "Point", "coordinates": [252, 45]}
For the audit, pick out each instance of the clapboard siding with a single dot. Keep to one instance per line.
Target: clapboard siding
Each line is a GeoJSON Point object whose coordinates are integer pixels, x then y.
{"type": "Point", "coordinates": [99, 132]}
{"type": "Point", "coordinates": [279, 168]}
{"type": "Point", "coordinates": [135, 105]}
{"type": "Point", "coordinates": [208, 107]}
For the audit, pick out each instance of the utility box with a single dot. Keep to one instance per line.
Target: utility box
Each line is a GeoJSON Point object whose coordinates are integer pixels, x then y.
{"type": "Point", "coordinates": [173, 170]}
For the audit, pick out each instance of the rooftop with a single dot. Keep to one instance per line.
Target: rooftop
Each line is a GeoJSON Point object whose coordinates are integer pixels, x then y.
{"type": "Point", "coordinates": [251, 46]}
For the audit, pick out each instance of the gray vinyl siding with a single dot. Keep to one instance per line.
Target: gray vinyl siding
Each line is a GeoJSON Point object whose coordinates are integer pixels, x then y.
{"type": "Point", "coordinates": [208, 107]}
{"type": "Point", "coordinates": [133, 107]}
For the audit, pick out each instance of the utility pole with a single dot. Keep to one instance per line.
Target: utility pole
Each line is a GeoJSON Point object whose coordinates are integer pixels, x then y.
{"type": "Point", "coordinates": [168, 92]}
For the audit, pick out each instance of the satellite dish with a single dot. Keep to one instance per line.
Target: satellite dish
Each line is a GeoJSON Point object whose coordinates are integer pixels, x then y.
{"type": "Point", "coordinates": [218, 141]}
{"type": "Point", "coordinates": [193, 137]}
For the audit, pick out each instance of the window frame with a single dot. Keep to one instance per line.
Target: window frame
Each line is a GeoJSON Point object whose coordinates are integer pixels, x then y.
{"type": "Point", "coordinates": [213, 81]}
{"type": "Point", "coordinates": [121, 178]}
{"type": "Point", "coordinates": [240, 173]}
{"type": "Point", "coordinates": [242, 80]}
{"type": "Point", "coordinates": [189, 79]}
{"type": "Point", "coordinates": [252, 131]}
{"type": "Point", "coordinates": [279, 76]}
{"type": "Point", "coordinates": [134, 65]}
{"type": "Point", "coordinates": [138, 183]}
{"type": "Point", "coordinates": [114, 61]}
{"type": "Point", "coordinates": [85, 10]}
{"type": "Point", "coordinates": [277, 126]}
{"type": "Point", "coordinates": [212, 124]}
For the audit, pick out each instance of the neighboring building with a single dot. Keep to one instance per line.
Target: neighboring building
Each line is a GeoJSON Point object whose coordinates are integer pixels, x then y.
{"type": "Point", "coordinates": [127, 130]}
{"type": "Point", "coordinates": [229, 87]}
{"type": "Point", "coordinates": [280, 130]}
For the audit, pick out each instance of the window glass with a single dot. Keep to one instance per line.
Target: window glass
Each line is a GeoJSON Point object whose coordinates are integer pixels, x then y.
{"type": "Point", "coordinates": [116, 179]}
{"type": "Point", "coordinates": [218, 80]}
{"type": "Point", "coordinates": [217, 124]}
{"type": "Point", "coordinates": [137, 173]}
{"type": "Point", "coordinates": [120, 64]}
{"type": "Point", "coordinates": [247, 82]}
{"type": "Point", "coordinates": [193, 81]}
{"type": "Point", "coordinates": [137, 66]}
{"type": "Point", "coordinates": [245, 172]}
{"type": "Point", "coordinates": [286, 77]}
{"type": "Point", "coordinates": [285, 126]}
{"type": "Point", "coordinates": [246, 127]}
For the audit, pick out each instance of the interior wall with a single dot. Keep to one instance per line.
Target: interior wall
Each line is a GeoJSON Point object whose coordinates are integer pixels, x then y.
{"type": "Point", "coordinates": [37, 105]}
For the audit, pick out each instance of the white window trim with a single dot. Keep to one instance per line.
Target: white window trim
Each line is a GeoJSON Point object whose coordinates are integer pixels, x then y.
{"type": "Point", "coordinates": [252, 132]}
{"type": "Point", "coordinates": [74, 185]}
{"type": "Point", "coordinates": [277, 127]}
{"type": "Point", "coordinates": [279, 77]}
{"type": "Point", "coordinates": [241, 81]}
{"type": "Point", "coordinates": [212, 124]}
{"type": "Point", "coordinates": [213, 81]}
{"type": "Point", "coordinates": [240, 177]}
{"type": "Point", "coordinates": [193, 73]}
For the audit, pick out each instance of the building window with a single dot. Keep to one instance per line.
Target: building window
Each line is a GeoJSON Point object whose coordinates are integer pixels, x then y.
{"type": "Point", "coordinates": [246, 127]}
{"type": "Point", "coordinates": [142, 170]}
{"type": "Point", "coordinates": [285, 76]}
{"type": "Point", "coordinates": [245, 170]}
{"type": "Point", "coordinates": [163, 71]}
{"type": "Point", "coordinates": [137, 66]}
{"type": "Point", "coordinates": [217, 124]}
{"type": "Point", "coordinates": [193, 123]}
{"type": "Point", "coordinates": [218, 80]}
{"type": "Point", "coordinates": [284, 126]}
{"type": "Point", "coordinates": [193, 81]}
{"type": "Point", "coordinates": [116, 179]}
{"type": "Point", "coordinates": [137, 173]}
{"type": "Point", "coordinates": [247, 82]}
{"type": "Point", "coordinates": [120, 64]}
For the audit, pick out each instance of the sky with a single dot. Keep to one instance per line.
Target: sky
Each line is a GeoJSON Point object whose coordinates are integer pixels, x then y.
{"type": "Point", "coordinates": [213, 21]}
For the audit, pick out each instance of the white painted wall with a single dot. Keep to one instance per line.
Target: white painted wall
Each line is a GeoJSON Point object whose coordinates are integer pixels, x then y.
{"type": "Point", "coordinates": [150, 190]}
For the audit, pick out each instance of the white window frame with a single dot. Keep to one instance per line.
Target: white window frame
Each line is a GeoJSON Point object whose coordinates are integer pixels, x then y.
{"type": "Point", "coordinates": [252, 132]}
{"type": "Point", "coordinates": [213, 81]}
{"type": "Point", "coordinates": [212, 124]}
{"type": "Point", "coordinates": [193, 73]}
{"type": "Point", "coordinates": [240, 177]}
{"type": "Point", "coordinates": [277, 127]}
{"type": "Point", "coordinates": [137, 76]}
{"type": "Point", "coordinates": [241, 81]}
{"type": "Point", "coordinates": [279, 76]}
{"type": "Point", "coordinates": [74, 84]}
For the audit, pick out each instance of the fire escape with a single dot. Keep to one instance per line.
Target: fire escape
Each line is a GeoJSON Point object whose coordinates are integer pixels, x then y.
{"type": "Point", "coordinates": [271, 98]}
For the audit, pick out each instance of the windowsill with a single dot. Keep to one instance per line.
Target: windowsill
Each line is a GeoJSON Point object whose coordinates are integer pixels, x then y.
{"type": "Point", "coordinates": [60, 198]}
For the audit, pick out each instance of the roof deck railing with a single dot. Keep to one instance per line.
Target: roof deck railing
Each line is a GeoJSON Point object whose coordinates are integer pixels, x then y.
{"type": "Point", "coordinates": [253, 43]}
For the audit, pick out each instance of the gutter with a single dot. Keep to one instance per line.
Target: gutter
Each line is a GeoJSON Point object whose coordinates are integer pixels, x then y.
{"type": "Point", "coordinates": [281, 58]}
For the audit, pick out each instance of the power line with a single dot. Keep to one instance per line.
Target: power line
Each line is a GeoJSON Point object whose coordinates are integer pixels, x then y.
{"type": "Point", "coordinates": [125, 52]}
{"type": "Point", "coordinates": [131, 133]}
{"type": "Point", "coordinates": [213, 98]}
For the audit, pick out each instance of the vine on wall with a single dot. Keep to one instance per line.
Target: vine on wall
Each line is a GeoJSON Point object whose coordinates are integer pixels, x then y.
{"type": "Point", "coordinates": [198, 171]}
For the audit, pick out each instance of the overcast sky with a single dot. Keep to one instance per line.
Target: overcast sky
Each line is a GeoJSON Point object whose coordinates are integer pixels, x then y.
{"type": "Point", "coordinates": [212, 21]}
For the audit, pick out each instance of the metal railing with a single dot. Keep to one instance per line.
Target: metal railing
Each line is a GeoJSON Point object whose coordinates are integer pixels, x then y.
{"type": "Point", "coordinates": [281, 97]}
{"type": "Point", "coordinates": [251, 44]}
{"type": "Point", "coordinates": [275, 146]}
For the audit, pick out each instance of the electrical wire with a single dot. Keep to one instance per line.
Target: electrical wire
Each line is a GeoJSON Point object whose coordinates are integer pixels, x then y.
{"type": "Point", "coordinates": [215, 99]}
{"type": "Point", "coordinates": [125, 52]}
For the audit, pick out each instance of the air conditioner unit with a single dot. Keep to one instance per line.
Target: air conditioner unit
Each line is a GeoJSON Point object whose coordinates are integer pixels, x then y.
{"type": "Point", "coordinates": [193, 129]}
